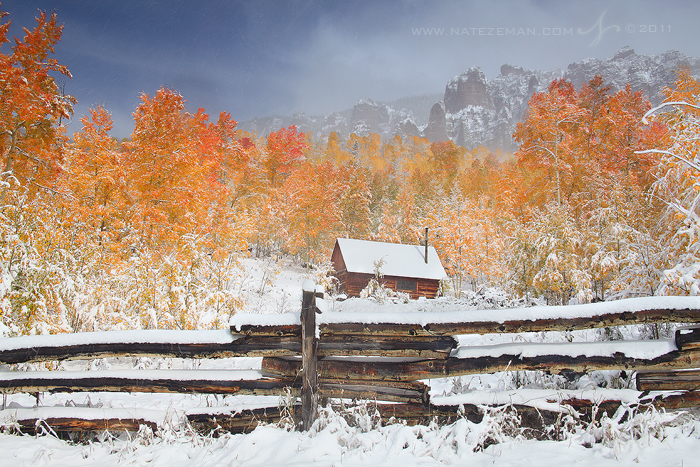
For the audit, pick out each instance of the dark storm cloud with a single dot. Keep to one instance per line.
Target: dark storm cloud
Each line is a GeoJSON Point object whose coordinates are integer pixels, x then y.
{"type": "Point", "coordinates": [419, 50]}
{"type": "Point", "coordinates": [261, 58]}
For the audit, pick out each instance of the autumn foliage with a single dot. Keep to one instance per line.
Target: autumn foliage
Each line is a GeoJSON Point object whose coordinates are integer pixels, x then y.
{"type": "Point", "coordinates": [31, 102]}
{"type": "Point", "coordinates": [149, 232]}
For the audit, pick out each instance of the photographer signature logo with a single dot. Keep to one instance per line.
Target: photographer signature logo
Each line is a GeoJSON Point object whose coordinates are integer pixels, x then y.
{"type": "Point", "coordinates": [599, 29]}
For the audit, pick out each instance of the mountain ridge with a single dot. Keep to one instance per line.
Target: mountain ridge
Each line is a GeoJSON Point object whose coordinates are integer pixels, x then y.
{"type": "Point", "coordinates": [475, 111]}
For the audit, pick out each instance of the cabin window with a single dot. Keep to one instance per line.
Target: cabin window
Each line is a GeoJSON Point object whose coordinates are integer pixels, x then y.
{"type": "Point", "coordinates": [407, 285]}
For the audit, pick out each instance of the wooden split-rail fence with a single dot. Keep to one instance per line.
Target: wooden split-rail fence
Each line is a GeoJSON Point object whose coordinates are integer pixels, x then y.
{"type": "Point", "coordinates": [386, 362]}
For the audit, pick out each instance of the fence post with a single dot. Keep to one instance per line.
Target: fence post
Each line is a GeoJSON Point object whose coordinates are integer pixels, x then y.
{"type": "Point", "coordinates": [309, 345]}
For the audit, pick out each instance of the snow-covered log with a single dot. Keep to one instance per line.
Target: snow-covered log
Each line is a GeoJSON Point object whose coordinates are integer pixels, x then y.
{"type": "Point", "coordinates": [60, 420]}
{"type": "Point", "coordinates": [427, 318]}
{"type": "Point", "coordinates": [36, 426]}
{"type": "Point", "coordinates": [248, 382]}
{"type": "Point", "coordinates": [383, 370]}
{"type": "Point", "coordinates": [243, 421]}
{"type": "Point", "coordinates": [688, 338]}
{"type": "Point", "coordinates": [504, 321]}
{"type": "Point", "coordinates": [386, 346]}
{"type": "Point", "coordinates": [672, 380]}
{"type": "Point", "coordinates": [393, 391]}
{"type": "Point", "coordinates": [175, 344]}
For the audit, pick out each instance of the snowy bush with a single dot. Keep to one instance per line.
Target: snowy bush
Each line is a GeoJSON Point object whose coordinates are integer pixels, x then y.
{"type": "Point", "coordinates": [54, 278]}
{"type": "Point", "coordinates": [375, 288]}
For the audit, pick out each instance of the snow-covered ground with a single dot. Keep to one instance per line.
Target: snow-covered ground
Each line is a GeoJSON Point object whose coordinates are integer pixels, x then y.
{"type": "Point", "coordinates": [643, 437]}
{"type": "Point", "coordinates": [651, 439]}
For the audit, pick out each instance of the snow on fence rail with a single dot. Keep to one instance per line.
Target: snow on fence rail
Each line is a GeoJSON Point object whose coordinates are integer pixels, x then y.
{"type": "Point", "coordinates": [363, 317]}
{"type": "Point", "coordinates": [377, 354]}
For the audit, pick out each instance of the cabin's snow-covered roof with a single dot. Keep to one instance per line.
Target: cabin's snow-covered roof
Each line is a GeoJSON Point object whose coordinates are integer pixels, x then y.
{"type": "Point", "coordinates": [399, 260]}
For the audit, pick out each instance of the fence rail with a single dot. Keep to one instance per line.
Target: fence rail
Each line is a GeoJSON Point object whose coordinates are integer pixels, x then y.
{"type": "Point", "coordinates": [381, 361]}
{"type": "Point", "coordinates": [620, 318]}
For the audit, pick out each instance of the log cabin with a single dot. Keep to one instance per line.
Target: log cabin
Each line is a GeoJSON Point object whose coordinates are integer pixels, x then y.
{"type": "Point", "coordinates": [405, 268]}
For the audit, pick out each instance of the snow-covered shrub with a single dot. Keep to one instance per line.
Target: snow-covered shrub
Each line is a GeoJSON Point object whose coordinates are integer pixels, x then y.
{"type": "Point", "coordinates": [644, 426]}
{"type": "Point", "coordinates": [375, 288]}
{"type": "Point", "coordinates": [494, 297]}
{"type": "Point", "coordinates": [56, 277]}
{"type": "Point", "coordinates": [444, 287]}
{"type": "Point", "coordinates": [271, 271]}
{"type": "Point", "coordinates": [498, 425]}
{"type": "Point", "coordinates": [286, 408]}
{"type": "Point", "coordinates": [467, 239]}
{"type": "Point", "coordinates": [361, 415]}
{"type": "Point", "coordinates": [561, 271]}
{"type": "Point", "coordinates": [377, 291]}
{"type": "Point", "coordinates": [38, 271]}
{"type": "Point", "coordinates": [675, 261]}
{"type": "Point", "coordinates": [322, 275]}
{"type": "Point", "coordinates": [188, 289]}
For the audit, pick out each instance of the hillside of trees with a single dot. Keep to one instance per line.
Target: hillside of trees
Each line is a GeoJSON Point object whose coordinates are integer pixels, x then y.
{"type": "Point", "coordinates": [95, 234]}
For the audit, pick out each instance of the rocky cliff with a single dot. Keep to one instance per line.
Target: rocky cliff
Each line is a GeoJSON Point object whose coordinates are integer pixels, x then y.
{"type": "Point", "coordinates": [406, 116]}
{"type": "Point", "coordinates": [475, 111]}
{"type": "Point", "coordinates": [482, 112]}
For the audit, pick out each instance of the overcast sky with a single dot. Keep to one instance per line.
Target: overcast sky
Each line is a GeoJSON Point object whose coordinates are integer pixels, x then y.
{"type": "Point", "coordinates": [262, 58]}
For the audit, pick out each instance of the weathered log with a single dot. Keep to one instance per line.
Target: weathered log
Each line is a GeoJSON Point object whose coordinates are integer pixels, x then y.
{"type": "Point", "coordinates": [34, 383]}
{"type": "Point", "coordinates": [244, 421]}
{"type": "Point", "coordinates": [247, 420]}
{"type": "Point", "coordinates": [386, 391]}
{"type": "Point", "coordinates": [244, 347]}
{"type": "Point", "coordinates": [536, 422]}
{"type": "Point", "coordinates": [288, 367]}
{"type": "Point", "coordinates": [309, 348]}
{"type": "Point", "coordinates": [685, 400]}
{"type": "Point", "coordinates": [672, 380]}
{"type": "Point", "coordinates": [411, 414]}
{"type": "Point", "coordinates": [387, 346]}
{"type": "Point", "coordinates": [513, 326]}
{"type": "Point", "coordinates": [531, 418]}
{"type": "Point", "coordinates": [249, 346]}
{"type": "Point", "coordinates": [262, 346]}
{"type": "Point", "coordinates": [287, 330]}
{"type": "Point", "coordinates": [374, 329]}
{"type": "Point", "coordinates": [373, 369]}
{"type": "Point", "coordinates": [422, 414]}
{"type": "Point", "coordinates": [75, 425]}
{"type": "Point", "coordinates": [405, 392]}
{"type": "Point", "coordinates": [688, 338]}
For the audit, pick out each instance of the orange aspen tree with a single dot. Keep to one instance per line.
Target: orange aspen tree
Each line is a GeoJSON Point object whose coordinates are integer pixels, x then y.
{"type": "Point", "coordinates": [546, 137]}
{"type": "Point", "coordinates": [179, 166]}
{"type": "Point", "coordinates": [32, 104]}
{"type": "Point", "coordinates": [447, 159]}
{"type": "Point", "coordinates": [95, 177]}
{"type": "Point", "coordinates": [467, 240]}
{"type": "Point", "coordinates": [284, 149]}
